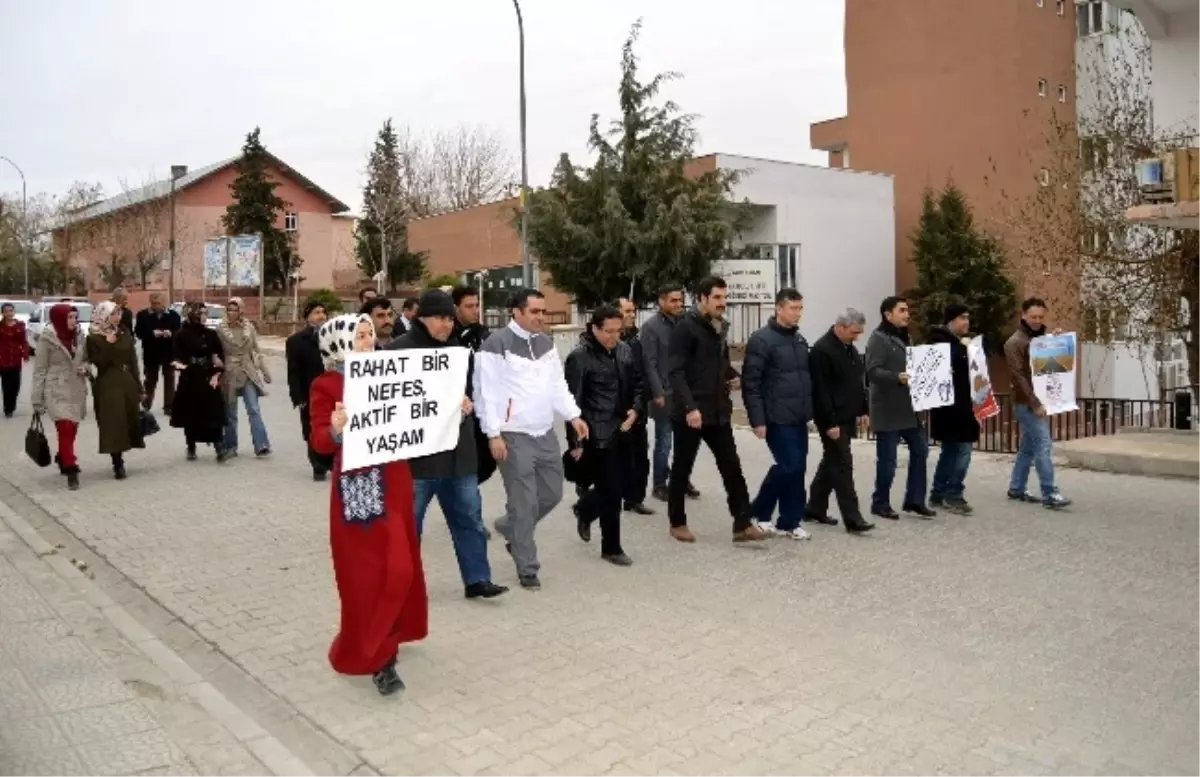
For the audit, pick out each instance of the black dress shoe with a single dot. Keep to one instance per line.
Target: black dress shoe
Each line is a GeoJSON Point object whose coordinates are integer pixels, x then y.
{"type": "Point", "coordinates": [387, 681]}
{"type": "Point", "coordinates": [660, 493]}
{"type": "Point", "coordinates": [692, 492]}
{"type": "Point", "coordinates": [485, 590]}
{"type": "Point", "coordinates": [886, 512]}
{"type": "Point", "coordinates": [921, 511]}
{"type": "Point", "coordinates": [582, 525]}
{"type": "Point", "coordinates": [859, 528]}
{"type": "Point", "coordinates": [617, 559]}
{"type": "Point", "coordinates": [530, 582]}
{"type": "Point", "coordinates": [826, 520]}
{"type": "Point", "coordinates": [639, 509]}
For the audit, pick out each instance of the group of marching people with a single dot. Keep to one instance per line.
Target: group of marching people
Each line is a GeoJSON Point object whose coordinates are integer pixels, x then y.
{"type": "Point", "coordinates": [676, 372]}
{"type": "Point", "coordinates": [204, 372]}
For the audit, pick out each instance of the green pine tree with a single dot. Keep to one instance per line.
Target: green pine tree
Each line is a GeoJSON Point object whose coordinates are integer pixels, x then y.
{"type": "Point", "coordinates": [634, 221]}
{"type": "Point", "coordinates": [956, 262]}
{"type": "Point", "coordinates": [383, 226]}
{"type": "Point", "coordinates": [256, 209]}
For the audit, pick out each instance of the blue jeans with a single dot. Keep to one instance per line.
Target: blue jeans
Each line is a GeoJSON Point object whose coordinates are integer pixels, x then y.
{"type": "Point", "coordinates": [784, 482]}
{"type": "Point", "coordinates": [1034, 450]}
{"type": "Point", "coordinates": [886, 445]}
{"type": "Point", "coordinates": [950, 475]}
{"type": "Point", "coordinates": [662, 451]}
{"type": "Point", "coordinates": [459, 499]}
{"type": "Point", "coordinates": [258, 430]}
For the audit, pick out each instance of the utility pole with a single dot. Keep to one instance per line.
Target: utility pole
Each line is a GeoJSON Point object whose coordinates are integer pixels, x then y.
{"type": "Point", "coordinates": [526, 267]}
{"type": "Point", "coordinates": [177, 172]}
{"type": "Point", "coordinates": [24, 237]}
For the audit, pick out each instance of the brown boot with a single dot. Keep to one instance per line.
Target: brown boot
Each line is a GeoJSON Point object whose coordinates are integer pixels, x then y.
{"type": "Point", "coordinates": [683, 534]}
{"type": "Point", "coordinates": [750, 534]}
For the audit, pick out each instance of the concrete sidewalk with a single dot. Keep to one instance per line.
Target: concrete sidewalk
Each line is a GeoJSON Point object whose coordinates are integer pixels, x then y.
{"type": "Point", "coordinates": [84, 690]}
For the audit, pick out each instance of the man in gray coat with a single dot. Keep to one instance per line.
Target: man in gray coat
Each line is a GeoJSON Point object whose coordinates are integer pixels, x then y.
{"type": "Point", "coordinates": [892, 416]}
{"type": "Point", "coordinates": [655, 337]}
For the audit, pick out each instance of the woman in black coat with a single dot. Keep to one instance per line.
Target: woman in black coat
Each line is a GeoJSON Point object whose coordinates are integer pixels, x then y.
{"type": "Point", "coordinates": [198, 408]}
{"type": "Point", "coordinates": [954, 426]}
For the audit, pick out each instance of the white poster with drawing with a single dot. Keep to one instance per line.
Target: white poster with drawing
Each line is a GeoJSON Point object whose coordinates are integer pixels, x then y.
{"type": "Point", "coordinates": [402, 404]}
{"type": "Point", "coordinates": [930, 380]}
{"type": "Point", "coordinates": [1052, 363]}
{"type": "Point", "coordinates": [983, 398]}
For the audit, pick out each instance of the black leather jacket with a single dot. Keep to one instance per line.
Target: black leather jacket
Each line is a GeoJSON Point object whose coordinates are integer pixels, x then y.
{"type": "Point", "coordinates": [606, 386]}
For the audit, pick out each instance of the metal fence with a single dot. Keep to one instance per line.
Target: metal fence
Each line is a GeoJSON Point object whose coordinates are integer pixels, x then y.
{"type": "Point", "coordinates": [1095, 417]}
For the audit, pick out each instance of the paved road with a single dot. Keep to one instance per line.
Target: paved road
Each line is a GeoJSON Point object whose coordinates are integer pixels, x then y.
{"type": "Point", "coordinates": [1014, 641]}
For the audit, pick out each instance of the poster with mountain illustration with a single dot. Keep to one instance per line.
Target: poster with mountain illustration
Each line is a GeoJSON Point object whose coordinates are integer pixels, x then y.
{"type": "Point", "coordinates": [1052, 360]}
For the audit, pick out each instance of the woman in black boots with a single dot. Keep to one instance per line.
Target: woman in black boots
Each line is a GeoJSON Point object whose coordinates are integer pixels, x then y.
{"type": "Point", "coordinates": [199, 409]}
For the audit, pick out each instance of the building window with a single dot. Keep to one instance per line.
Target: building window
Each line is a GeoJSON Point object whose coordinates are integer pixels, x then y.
{"type": "Point", "coordinates": [1062, 93]}
{"type": "Point", "coordinates": [1044, 177]}
{"type": "Point", "coordinates": [1093, 154]}
{"type": "Point", "coordinates": [291, 222]}
{"type": "Point", "coordinates": [1041, 3]}
{"type": "Point", "coordinates": [1042, 87]}
{"type": "Point", "coordinates": [1061, 7]}
{"type": "Point", "coordinates": [788, 266]}
{"type": "Point", "coordinates": [1089, 18]}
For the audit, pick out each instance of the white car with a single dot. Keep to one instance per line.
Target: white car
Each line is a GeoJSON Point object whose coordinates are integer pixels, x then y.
{"type": "Point", "coordinates": [39, 318]}
{"type": "Point", "coordinates": [214, 314]}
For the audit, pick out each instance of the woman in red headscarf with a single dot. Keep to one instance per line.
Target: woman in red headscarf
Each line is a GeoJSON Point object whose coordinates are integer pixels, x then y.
{"type": "Point", "coordinates": [60, 384]}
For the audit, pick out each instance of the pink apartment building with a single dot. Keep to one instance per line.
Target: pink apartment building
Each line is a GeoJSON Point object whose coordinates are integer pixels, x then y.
{"type": "Point", "coordinates": [138, 224]}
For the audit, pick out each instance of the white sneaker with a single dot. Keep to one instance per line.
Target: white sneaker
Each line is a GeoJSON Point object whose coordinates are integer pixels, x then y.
{"type": "Point", "coordinates": [767, 528]}
{"type": "Point", "coordinates": [798, 533]}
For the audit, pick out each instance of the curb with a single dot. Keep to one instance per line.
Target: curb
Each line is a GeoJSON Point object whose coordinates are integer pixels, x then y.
{"type": "Point", "coordinates": [272, 753]}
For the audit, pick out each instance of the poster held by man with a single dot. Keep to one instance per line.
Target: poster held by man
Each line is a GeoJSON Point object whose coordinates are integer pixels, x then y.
{"type": "Point", "coordinates": [399, 405]}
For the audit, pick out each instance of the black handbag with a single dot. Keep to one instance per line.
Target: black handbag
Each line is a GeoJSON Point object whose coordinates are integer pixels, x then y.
{"type": "Point", "coordinates": [37, 447]}
{"type": "Point", "coordinates": [148, 423]}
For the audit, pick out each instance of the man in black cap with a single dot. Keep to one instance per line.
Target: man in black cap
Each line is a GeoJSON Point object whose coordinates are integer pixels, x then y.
{"type": "Point", "coordinates": [304, 364]}
{"type": "Point", "coordinates": [954, 426]}
{"type": "Point", "coordinates": [451, 476]}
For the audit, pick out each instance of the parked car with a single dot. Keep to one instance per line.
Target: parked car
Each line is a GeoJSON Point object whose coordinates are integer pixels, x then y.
{"type": "Point", "coordinates": [214, 314]}
{"type": "Point", "coordinates": [38, 317]}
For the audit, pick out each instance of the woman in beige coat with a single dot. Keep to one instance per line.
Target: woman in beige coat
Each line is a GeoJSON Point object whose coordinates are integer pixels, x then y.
{"type": "Point", "coordinates": [60, 387]}
{"type": "Point", "coordinates": [245, 376]}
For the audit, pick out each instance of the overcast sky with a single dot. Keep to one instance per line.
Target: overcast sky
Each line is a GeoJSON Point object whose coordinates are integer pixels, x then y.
{"type": "Point", "coordinates": [119, 90]}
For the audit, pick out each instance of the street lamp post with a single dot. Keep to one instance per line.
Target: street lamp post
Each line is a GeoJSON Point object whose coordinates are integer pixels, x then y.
{"type": "Point", "coordinates": [177, 172]}
{"type": "Point", "coordinates": [24, 221]}
{"type": "Point", "coordinates": [526, 268]}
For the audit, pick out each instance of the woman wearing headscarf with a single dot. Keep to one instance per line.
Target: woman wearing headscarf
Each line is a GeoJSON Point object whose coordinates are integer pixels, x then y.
{"type": "Point", "coordinates": [60, 384]}
{"type": "Point", "coordinates": [245, 376]}
{"type": "Point", "coordinates": [372, 532]}
{"type": "Point", "coordinates": [117, 389]}
{"type": "Point", "coordinates": [198, 408]}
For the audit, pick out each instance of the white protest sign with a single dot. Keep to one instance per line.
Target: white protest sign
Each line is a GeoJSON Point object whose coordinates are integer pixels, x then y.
{"type": "Point", "coordinates": [930, 379]}
{"type": "Point", "coordinates": [1052, 363]}
{"type": "Point", "coordinates": [983, 398]}
{"type": "Point", "coordinates": [402, 404]}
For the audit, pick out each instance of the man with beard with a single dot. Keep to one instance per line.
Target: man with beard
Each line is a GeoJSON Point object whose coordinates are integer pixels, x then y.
{"type": "Point", "coordinates": [451, 475]}
{"type": "Point", "coordinates": [304, 364]}
{"type": "Point", "coordinates": [155, 327]}
{"type": "Point", "coordinates": [892, 416]}
{"type": "Point", "coordinates": [383, 318]}
{"type": "Point", "coordinates": [1036, 446]}
{"type": "Point", "coordinates": [701, 378]}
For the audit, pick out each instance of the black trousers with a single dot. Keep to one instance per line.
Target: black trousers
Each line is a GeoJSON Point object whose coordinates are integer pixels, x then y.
{"type": "Point", "coordinates": [637, 464]}
{"type": "Point", "coordinates": [319, 461]}
{"type": "Point", "coordinates": [151, 369]}
{"type": "Point", "coordinates": [10, 386]}
{"type": "Point", "coordinates": [603, 500]}
{"type": "Point", "coordinates": [719, 439]}
{"type": "Point", "coordinates": [835, 474]}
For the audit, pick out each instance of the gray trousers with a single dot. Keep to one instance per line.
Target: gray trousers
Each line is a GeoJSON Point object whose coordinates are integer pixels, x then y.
{"type": "Point", "coordinates": [533, 482]}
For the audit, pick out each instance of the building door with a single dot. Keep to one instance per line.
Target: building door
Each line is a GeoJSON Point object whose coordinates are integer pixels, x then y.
{"type": "Point", "coordinates": [787, 272]}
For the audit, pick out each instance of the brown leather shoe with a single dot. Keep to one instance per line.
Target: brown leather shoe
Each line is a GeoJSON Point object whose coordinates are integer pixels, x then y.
{"type": "Point", "coordinates": [683, 534]}
{"type": "Point", "coordinates": [749, 534]}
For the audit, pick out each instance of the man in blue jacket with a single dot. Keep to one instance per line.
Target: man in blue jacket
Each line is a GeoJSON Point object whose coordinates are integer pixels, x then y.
{"type": "Point", "coordinates": [777, 390]}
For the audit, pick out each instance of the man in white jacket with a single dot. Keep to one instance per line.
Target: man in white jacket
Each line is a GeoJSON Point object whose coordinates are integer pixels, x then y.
{"type": "Point", "coordinates": [519, 387]}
